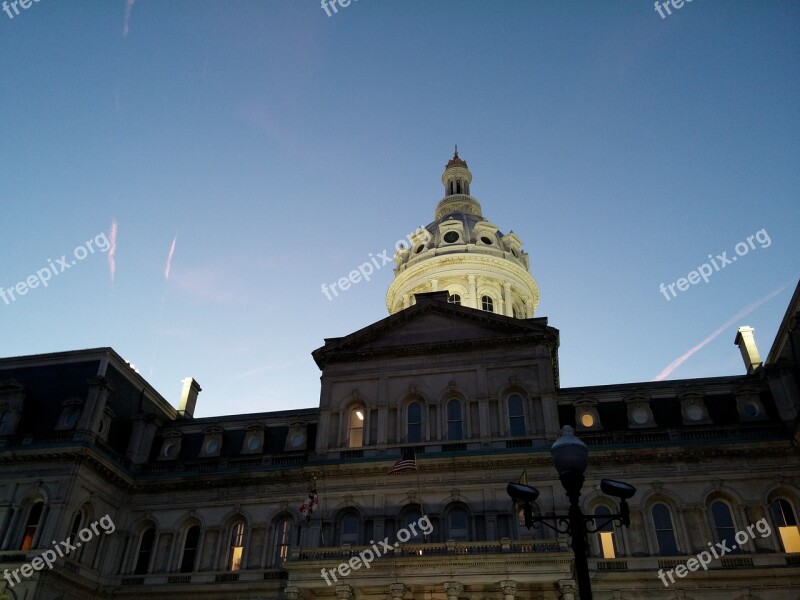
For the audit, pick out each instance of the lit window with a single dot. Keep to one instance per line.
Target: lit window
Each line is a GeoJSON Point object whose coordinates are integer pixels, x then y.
{"type": "Point", "coordinates": [787, 525]}
{"type": "Point", "coordinates": [282, 540]}
{"type": "Point", "coordinates": [516, 415]}
{"type": "Point", "coordinates": [605, 534]}
{"type": "Point", "coordinates": [32, 526]}
{"type": "Point", "coordinates": [236, 547]}
{"type": "Point", "coordinates": [190, 545]}
{"type": "Point", "coordinates": [723, 524]}
{"type": "Point", "coordinates": [665, 533]}
{"type": "Point", "coordinates": [414, 433]}
{"type": "Point", "coordinates": [454, 299]}
{"type": "Point", "coordinates": [587, 420]}
{"type": "Point", "coordinates": [145, 551]}
{"type": "Point", "coordinates": [458, 524]}
{"type": "Point", "coordinates": [487, 303]}
{"type": "Point", "coordinates": [454, 429]}
{"type": "Point", "coordinates": [356, 437]}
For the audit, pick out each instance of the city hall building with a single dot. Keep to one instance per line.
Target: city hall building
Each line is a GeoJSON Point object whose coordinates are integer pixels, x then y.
{"type": "Point", "coordinates": [109, 491]}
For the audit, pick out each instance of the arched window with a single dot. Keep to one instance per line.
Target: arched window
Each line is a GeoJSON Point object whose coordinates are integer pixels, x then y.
{"type": "Point", "coordinates": [236, 547]}
{"type": "Point", "coordinates": [190, 545]}
{"type": "Point", "coordinates": [454, 299]}
{"type": "Point", "coordinates": [283, 533]}
{"type": "Point", "coordinates": [516, 415]}
{"type": "Point", "coordinates": [411, 517]}
{"type": "Point", "coordinates": [454, 429]}
{"type": "Point", "coordinates": [355, 436]}
{"type": "Point", "coordinates": [487, 303]}
{"type": "Point", "coordinates": [665, 532]}
{"type": "Point", "coordinates": [605, 534]}
{"type": "Point", "coordinates": [723, 524]}
{"type": "Point", "coordinates": [32, 526]}
{"type": "Point", "coordinates": [146, 541]}
{"type": "Point", "coordinates": [458, 525]}
{"type": "Point", "coordinates": [414, 431]}
{"type": "Point", "coordinates": [348, 529]}
{"type": "Point", "coordinates": [787, 525]}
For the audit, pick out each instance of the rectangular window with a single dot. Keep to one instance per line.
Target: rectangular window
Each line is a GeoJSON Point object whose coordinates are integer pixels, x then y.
{"type": "Point", "coordinates": [607, 544]}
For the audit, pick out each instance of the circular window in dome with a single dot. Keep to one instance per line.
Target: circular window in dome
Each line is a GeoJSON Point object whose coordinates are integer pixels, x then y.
{"type": "Point", "coordinates": [486, 240]}
{"type": "Point", "coordinates": [694, 412]}
{"type": "Point", "coordinates": [169, 450]}
{"type": "Point", "coordinates": [420, 248]}
{"type": "Point", "coordinates": [212, 446]}
{"type": "Point", "coordinates": [450, 237]}
{"type": "Point", "coordinates": [254, 443]}
{"type": "Point", "coordinates": [750, 409]}
{"type": "Point", "coordinates": [640, 415]}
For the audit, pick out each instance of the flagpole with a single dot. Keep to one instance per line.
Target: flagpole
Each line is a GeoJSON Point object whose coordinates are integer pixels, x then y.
{"type": "Point", "coordinates": [419, 492]}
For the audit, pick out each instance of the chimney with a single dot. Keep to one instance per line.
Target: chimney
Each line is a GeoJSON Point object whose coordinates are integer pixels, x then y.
{"type": "Point", "coordinates": [188, 397]}
{"type": "Point", "coordinates": [747, 345]}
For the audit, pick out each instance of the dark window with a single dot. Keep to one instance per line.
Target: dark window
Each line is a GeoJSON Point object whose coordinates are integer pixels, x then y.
{"type": "Point", "coordinates": [190, 545]}
{"type": "Point", "coordinates": [665, 533]}
{"type": "Point", "coordinates": [454, 429]}
{"type": "Point", "coordinates": [145, 551]}
{"type": "Point", "coordinates": [414, 433]}
{"type": "Point", "coordinates": [458, 524]}
{"type": "Point", "coordinates": [349, 530]}
{"type": "Point", "coordinates": [723, 524]}
{"type": "Point", "coordinates": [454, 299]}
{"type": "Point", "coordinates": [410, 518]}
{"type": "Point", "coordinates": [450, 237]}
{"type": "Point", "coordinates": [516, 415]}
{"type": "Point", "coordinates": [487, 303]}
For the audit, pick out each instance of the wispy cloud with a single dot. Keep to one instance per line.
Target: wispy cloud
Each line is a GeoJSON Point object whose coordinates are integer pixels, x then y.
{"type": "Point", "coordinates": [716, 333]}
{"type": "Point", "coordinates": [128, 8]}
{"type": "Point", "coordinates": [112, 251]}
{"type": "Point", "coordinates": [169, 258]}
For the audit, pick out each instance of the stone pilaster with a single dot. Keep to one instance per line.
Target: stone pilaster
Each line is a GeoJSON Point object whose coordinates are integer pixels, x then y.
{"type": "Point", "coordinates": [344, 591]}
{"type": "Point", "coordinates": [509, 589]}
{"type": "Point", "coordinates": [292, 593]}
{"type": "Point", "coordinates": [568, 589]}
{"type": "Point", "coordinates": [453, 589]}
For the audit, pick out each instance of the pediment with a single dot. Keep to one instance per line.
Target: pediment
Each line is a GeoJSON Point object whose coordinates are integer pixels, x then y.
{"type": "Point", "coordinates": [431, 323]}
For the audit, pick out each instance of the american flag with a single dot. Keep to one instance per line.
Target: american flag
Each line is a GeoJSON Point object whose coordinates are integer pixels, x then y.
{"type": "Point", "coordinates": [309, 504]}
{"type": "Point", "coordinates": [408, 462]}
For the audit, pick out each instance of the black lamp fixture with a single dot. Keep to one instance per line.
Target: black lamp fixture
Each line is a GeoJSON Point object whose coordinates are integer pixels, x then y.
{"type": "Point", "coordinates": [571, 457]}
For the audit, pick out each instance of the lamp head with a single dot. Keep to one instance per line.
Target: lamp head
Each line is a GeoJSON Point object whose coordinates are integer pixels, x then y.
{"type": "Point", "coordinates": [569, 453]}
{"type": "Point", "coordinates": [522, 493]}
{"type": "Point", "coordinates": [618, 489]}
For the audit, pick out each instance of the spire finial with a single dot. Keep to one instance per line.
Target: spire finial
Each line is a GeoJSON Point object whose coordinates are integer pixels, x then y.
{"type": "Point", "coordinates": [456, 154]}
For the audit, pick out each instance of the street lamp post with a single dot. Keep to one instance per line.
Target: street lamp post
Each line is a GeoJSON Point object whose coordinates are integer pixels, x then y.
{"type": "Point", "coordinates": [571, 457]}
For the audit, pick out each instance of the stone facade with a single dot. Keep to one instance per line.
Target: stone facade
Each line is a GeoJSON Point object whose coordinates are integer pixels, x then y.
{"type": "Point", "coordinates": [168, 504]}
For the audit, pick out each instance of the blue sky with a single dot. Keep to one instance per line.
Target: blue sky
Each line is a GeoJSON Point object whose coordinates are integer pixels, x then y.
{"type": "Point", "coordinates": [279, 147]}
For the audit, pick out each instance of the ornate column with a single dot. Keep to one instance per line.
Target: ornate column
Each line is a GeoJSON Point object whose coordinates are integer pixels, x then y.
{"type": "Point", "coordinates": [568, 589]}
{"type": "Point", "coordinates": [397, 591]}
{"type": "Point", "coordinates": [292, 593]}
{"type": "Point", "coordinates": [343, 591]}
{"type": "Point", "coordinates": [473, 293]}
{"type": "Point", "coordinates": [507, 301]}
{"type": "Point", "coordinates": [453, 589]}
{"type": "Point", "coordinates": [509, 589]}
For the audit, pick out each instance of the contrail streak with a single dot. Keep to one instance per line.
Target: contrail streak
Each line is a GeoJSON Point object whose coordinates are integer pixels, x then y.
{"type": "Point", "coordinates": [112, 251]}
{"type": "Point", "coordinates": [729, 323]}
{"type": "Point", "coordinates": [169, 258]}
